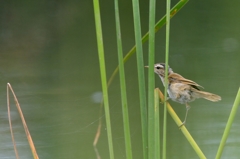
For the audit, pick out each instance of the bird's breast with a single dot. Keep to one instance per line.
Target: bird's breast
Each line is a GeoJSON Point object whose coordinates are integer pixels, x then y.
{"type": "Point", "coordinates": [180, 93]}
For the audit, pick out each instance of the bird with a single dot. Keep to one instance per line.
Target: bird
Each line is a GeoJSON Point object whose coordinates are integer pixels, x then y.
{"type": "Point", "coordinates": [182, 90]}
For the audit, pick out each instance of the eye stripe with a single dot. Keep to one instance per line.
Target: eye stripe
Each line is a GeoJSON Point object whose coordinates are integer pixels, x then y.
{"type": "Point", "coordinates": [158, 66]}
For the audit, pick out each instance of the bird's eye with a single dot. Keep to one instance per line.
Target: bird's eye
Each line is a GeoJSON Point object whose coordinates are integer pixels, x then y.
{"type": "Point", "coordinates": [158, 67]}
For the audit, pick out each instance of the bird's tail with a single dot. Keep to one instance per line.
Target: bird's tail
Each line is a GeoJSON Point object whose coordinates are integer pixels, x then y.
{"type": "Point", "coordinates": [206, 95]}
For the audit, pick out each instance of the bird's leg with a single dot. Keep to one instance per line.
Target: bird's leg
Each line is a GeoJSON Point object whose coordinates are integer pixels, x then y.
{"type": "Point", "coordinates": [187, 109]}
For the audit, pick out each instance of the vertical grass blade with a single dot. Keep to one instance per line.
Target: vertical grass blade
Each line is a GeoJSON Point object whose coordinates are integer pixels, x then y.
{"type": "Point", "coordinates": [166, 79]}
{"type": "Point", "coordinates": [141, 81]}
{"type": "Point", "coordinates": [228, 126]}
{"type": "Point", "coordinates": [103, 74]}
{"type": "Point", "coordinates": [183, 128]}
{"type": "Point", "coordinates": [151, 82]}
{"type": "Point", "coordinates": [158, 26]}
{"type": "Point", "coordinates": [127, 133]}
{"type": "Point", "coordinates": [157, 132]}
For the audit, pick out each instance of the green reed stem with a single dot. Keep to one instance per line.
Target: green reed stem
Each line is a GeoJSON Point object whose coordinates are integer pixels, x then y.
{"type": "Point", "coordinates": [164, 153]}
{"type": "Point", "coordinates": [228, 126]}
{"type": "Point", "coordinates": [103, 74]}
{"type": "Point", "coordinates": [151, 81]}
{"type": "Point", "coordinates": [157, 130]}
{"type": "Point", "coordinates": [183, 128]}
{"type": "Point", "coordinates": [141, 81]}
{"type": "Point", "coordinates": [127, 133]}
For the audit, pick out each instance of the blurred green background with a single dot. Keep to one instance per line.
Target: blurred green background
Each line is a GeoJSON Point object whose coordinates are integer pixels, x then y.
{"type": "Point", "coordinates": [49, 55]}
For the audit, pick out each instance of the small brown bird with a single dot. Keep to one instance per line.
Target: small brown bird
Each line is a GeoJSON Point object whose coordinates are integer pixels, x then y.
{"type": "Point", "coordinates": [182, 90]}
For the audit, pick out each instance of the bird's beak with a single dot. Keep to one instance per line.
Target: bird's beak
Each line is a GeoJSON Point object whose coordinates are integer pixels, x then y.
{"type": "Point", "coordinates": [146, 66]}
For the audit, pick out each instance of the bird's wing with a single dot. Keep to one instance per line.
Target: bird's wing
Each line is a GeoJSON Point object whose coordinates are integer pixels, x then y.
{"type": "Point", "coordinates": [187, 81]}
{"type": "Point", "coordinates": [192, 83]}
{"type": "Point", "coordinates": [181, 79]}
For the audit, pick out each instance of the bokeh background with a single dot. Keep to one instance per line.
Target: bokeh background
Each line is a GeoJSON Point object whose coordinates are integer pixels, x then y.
{"type": "Point", "coordinates": [48, 53]}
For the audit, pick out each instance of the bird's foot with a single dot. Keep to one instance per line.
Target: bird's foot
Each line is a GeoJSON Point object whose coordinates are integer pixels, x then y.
{"type": "Point", "coordinates": [182, 124]}
{"type": "Point", "coordinates": [165, 100]}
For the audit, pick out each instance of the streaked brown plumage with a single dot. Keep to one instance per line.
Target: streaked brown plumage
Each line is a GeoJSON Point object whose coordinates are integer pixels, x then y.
{"type": "Point", "coordinates": [182, 90]}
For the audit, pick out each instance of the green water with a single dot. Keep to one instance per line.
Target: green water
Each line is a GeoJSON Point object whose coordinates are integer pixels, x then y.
{"type": "Point", "coordinates": [49, 55]}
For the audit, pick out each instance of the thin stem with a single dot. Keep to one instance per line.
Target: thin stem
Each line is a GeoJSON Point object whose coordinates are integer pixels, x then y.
{"type": "Point", "coordinates": [30, 141]}
{"type": "Point", "coordinates": [228, 126]}
{"type": "Point", "coordinates": [103, 74]}
{"type": "Point", "coordinates": [157, 124]}
{"type": "Point", "coordinates": [151, 81]}
{"type": "Point", "coordinates": [141, 81]}
{"type": "Point", "coordinates": [127, 133]}
{"type": "Point", "coordinates": [183, 128]}
{"type": "Point", "coordinates": [166, 79]}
